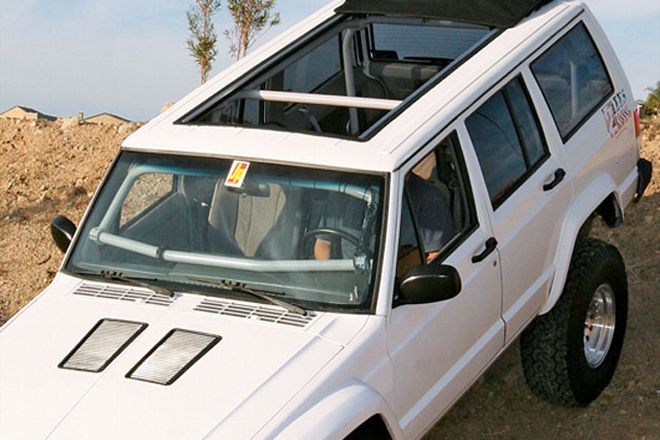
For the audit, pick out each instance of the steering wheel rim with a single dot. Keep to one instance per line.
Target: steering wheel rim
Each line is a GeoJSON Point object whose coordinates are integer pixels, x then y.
{"type": "Point", "coordinates": [326, 231]}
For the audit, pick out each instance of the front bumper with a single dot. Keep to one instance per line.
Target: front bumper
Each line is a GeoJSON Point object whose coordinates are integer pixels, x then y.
{"type": "Point", "coordinates": [645, 170]}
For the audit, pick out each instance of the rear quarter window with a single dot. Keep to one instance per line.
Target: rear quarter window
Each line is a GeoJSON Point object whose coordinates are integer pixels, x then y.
{"type": "Point", "coordinates": [573, 79]}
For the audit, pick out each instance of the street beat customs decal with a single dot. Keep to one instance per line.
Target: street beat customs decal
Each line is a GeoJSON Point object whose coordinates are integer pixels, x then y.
{"type": "Point", "coordinates": [616, 113]}
{"type": "Point", "coordinates": [237, 174]}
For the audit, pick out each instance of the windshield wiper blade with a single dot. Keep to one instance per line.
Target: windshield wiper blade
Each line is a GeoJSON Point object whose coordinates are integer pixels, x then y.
{"type": "Point", "coordinates": [147, 283]}
{"type": "Point", "coordinates": [257, 292]}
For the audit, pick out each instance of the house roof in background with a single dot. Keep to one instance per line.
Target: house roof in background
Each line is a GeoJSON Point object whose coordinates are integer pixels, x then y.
{"type": "Point", "coordinates": [30, 110]}
{"type": "Point", "coordinates": [113, 116]}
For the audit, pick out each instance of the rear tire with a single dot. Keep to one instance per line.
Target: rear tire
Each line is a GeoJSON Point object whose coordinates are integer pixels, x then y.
{"type": "Point", "coordinates": [570, 354]}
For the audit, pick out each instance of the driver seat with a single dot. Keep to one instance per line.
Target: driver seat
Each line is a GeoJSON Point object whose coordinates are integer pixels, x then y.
{"type": "Point", "coordinates": [265, 227]}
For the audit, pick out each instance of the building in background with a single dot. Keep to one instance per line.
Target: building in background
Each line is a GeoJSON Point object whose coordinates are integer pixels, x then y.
{"type": "Point", "coordinates": [106, 118]}
{"type": "Point", "coordinates": [26, 114]}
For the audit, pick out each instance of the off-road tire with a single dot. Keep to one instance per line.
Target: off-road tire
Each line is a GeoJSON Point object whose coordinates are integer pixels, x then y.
{"type": "Point", "coordinates": [552, 347]}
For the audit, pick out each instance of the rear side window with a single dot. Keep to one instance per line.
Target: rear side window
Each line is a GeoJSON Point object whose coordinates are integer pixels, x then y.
{"type": "Point", "coordinates": [507, 139]}
{"type": "Point", "coordinates": [573, 79]}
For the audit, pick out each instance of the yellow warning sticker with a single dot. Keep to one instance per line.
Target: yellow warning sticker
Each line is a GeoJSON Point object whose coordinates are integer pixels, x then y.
{"type": "Point", "coordinates": [237, 174]}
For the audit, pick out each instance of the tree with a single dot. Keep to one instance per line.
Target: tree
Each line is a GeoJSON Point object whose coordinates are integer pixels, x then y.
{"type": "Point", "coordinates": [652, 104]}
{"type": "Point", "coordinates": [202, 44]}
{"type": "Point", "coordinates": [251, 18]}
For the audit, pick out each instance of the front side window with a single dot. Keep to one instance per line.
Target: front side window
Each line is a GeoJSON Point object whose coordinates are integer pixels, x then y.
{"type": "Point", "coordinates": [507, 139]}
{"type": "Point", "coordinates": [194, 223]}
{"type": "Point", "coordinates": [573, 79]}
{"type": "Point", "coordinates": [436, 207]}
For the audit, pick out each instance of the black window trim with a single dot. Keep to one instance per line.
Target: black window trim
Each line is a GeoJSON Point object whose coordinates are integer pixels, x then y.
{"type": "Point", "coordinates": [537, 120]}
{"type": "Point", "coordinates": [599, 105]}
{"type": "Point", "coordinates": [516, 123]}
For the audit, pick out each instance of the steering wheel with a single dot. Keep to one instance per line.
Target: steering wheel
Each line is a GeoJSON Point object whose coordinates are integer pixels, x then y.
{"type": "Point", "coordinates": [304, 241]}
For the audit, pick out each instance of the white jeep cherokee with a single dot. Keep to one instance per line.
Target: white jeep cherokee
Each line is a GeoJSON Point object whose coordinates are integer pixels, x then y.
{"type": "Point", "coordinates": [336, 236]}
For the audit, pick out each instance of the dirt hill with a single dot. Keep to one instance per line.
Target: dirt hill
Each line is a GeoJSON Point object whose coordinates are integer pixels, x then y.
{"type": "Point", "coordinates": [50, 168]}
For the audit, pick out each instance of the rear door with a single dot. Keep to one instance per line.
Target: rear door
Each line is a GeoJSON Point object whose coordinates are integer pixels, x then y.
{"type": "Point", "coordinates": [528, 189]}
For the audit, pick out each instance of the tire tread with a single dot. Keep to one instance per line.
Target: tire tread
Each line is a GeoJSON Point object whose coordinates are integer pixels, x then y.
{"type": "Point", "coordinates": [544, 344]}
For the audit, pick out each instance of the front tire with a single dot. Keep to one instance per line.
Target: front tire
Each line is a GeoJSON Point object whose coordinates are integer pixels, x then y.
{"type": "Point", "coordinates": [570, 354]}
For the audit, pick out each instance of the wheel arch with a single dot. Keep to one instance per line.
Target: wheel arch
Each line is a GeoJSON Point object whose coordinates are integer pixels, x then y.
{"type": "Point", "coordinates": [601, 197]}
{"type": "Point", "coordinates": [610, 210]}
{"type": "Point", "coordinates": [343, 412]}
{"type": "Point", "coordinates": [374, 428]}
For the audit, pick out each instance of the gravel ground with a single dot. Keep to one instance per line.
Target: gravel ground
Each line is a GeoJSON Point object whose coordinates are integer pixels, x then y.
{"type": "Point", "coordinates": [48, 169]}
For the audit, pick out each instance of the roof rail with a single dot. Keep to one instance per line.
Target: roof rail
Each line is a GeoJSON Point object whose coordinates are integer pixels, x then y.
{"type": "Point", "coordinates": [318, 99]}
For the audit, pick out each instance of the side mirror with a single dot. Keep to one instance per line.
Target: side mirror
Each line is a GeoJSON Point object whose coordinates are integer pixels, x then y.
{"type": "Point", "coordinates": [429, 284]}
{"type": "Point", "coordinates": [62, 229]}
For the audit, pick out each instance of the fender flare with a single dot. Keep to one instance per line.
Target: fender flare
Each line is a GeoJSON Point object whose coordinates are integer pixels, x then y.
{"type": "Point", "coordinates": [341, 413]}
{"type": "Point", "coordinates": [579, 211]}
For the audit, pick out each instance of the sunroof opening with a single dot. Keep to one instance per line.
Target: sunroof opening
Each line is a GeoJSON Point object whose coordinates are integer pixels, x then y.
{"type": "Point", "coordinates": [344, 80]}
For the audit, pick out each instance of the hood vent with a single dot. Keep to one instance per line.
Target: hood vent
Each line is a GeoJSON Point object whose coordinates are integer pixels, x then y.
{"type": "Point", "coordinates": [253, 311]}
{"type": "Point", "coordinates": [123, 293]}
{"type": "Point", "coordinates": [172, 356]}
{"type": "Point", "coordinates": [104, 342]}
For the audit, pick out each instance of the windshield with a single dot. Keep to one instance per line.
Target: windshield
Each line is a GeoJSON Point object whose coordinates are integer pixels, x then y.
{"type": "Point", "coordinates": [308, 236]}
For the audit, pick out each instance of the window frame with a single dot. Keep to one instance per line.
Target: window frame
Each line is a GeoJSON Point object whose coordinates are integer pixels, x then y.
{"type": "Point", "coordinates": [378, 268]}
{"type": "Point", "coordinates": [531, 168]}
{"type": "Point", "coordinates": [305, 44]}
{"type": "Point", "coordinates": [581, 23]}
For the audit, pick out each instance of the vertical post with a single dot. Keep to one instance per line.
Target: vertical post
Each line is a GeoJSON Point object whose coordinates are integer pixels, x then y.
{"type": "Point", "coordinates": [574, 90]}
{"type": "Point", "coordinates": [349, 76]}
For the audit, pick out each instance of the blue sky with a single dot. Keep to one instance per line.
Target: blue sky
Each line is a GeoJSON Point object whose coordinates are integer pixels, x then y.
{"type": "Point", "coordinates": [129, 56]}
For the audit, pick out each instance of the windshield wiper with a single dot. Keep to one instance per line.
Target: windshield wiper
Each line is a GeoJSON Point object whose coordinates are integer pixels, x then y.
{"type": "Point", "coordinates": [257, 292]}
{"type": "Point", "coordinates": [148, 283]}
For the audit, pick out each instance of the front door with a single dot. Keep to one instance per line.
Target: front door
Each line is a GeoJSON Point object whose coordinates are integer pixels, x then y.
{"type": "Point", "coordinates": [438, 349]}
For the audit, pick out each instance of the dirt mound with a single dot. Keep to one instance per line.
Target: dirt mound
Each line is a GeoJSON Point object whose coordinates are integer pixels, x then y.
{"type": "Point", "coordinates": [46, 168]}
{"type": "Point", "coordinates": [50, 168]}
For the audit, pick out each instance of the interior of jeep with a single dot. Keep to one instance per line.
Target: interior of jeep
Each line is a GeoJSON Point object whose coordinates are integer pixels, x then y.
{"type": "Point", "coordinates": [343, 80]}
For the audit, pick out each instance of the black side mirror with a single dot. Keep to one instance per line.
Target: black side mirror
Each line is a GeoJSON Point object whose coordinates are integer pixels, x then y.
{"type": "Point", "coordinates": [62, 229]}
{"type": "Point", "coordinates": [429, 284]}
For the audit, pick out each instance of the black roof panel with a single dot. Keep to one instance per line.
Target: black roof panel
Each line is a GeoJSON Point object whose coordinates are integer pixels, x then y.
{"type": "Point", "coordinates": [493, 13]}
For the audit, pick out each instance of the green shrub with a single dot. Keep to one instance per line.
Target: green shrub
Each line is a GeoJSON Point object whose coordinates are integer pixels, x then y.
{"type": "Point", "coordinates": [652, 104]}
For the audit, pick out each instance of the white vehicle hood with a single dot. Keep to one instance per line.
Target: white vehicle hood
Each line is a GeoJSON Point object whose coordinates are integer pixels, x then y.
{"type": "Point", "coordinates": [249, 375]}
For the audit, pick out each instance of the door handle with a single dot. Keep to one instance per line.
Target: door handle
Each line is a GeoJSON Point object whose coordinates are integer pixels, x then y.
{"type": "Point", "coordinates": [491, 245]}
{"type": "Point", "coordinates": [560, 174]}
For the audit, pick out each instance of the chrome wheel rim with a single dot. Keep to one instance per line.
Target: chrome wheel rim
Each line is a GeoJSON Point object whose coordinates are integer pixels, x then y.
{"type": "Point", "coordinates": [599, 326]}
